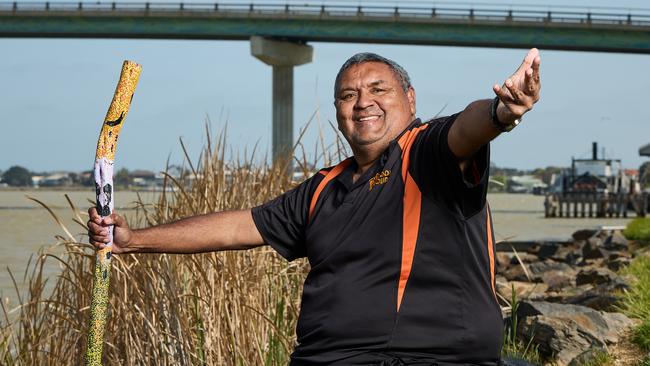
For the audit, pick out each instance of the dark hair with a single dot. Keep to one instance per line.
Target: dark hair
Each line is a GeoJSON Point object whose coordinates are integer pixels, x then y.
{"type": "Point", "coordinates": [363, 57]}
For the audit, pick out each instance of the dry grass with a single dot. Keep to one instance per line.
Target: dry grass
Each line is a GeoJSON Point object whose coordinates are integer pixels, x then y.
{"type": "Point", "coordinates": [228, 308]}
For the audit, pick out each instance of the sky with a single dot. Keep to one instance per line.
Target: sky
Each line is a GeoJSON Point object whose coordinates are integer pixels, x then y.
{"type": "Point", "coordinates": [54, 94]}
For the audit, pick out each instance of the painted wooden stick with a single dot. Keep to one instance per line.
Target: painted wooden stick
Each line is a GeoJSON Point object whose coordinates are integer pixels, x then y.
{"type": "Point", "coordinates": [104, 159]}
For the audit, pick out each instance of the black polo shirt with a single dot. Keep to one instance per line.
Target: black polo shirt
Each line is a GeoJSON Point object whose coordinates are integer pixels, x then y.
{"type": "Point", "coordinates": [402, 260]}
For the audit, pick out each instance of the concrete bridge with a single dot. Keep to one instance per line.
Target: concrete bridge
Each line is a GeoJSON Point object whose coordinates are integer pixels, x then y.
{"type": "Point", "coordinates": [279, 31]}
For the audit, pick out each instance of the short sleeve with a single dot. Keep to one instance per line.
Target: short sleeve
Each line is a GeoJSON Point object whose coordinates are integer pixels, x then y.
{"type": "Point", "coordinates": [435, 169]}
{"type": "Point", "coordinates": [282, 221]}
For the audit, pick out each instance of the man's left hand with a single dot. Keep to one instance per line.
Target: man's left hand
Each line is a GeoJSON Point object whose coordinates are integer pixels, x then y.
{"type": "Point", "coordinates": [521, 90]}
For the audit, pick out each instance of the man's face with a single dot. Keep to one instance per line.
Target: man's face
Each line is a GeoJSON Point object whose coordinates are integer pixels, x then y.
{"type": "Point", "coordinates": [371, 106]}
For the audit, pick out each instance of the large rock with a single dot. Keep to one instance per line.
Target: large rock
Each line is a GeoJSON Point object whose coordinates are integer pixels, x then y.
{"type": "Point", "coordinates": [583, 234]}
{"type": "Point", "coordinates": [592, 249]}
{"type": "Point", "coordinates": [602, 325]}
{"type": "Point", "coordinates": [596, 276]}
{"type": "Point", "coordinates": [567, 331]}
{"type": "Point", "coordinates": [570, 254]}
{"type": "Point", "coordinates": [503, 261]}
{"type": "Point", "coordinates": [557, 337]}
{"type": "Point", "coordinates": [523, 258]}
{"type": "Point", "coordinates": [547, 250]}
{"type": "Point", "coordinates": [517, 273]}
{"type": "Point", "coordinates": [616, 241]}
{"type": "Point", "coordinates": [560, 252]}
{"type": "Point", "coordinates": [618, 263]}
{"type": "Point", "coordinates": [557, 280]}
{"type": "Point", "coordinates": [605, 296]}
{"type": "Point", "coordinates": [523, 290]}
{"type": "Point", "coordinates": [555, 274]}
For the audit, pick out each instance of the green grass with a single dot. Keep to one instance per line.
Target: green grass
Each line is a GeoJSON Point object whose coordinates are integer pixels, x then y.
{"type": "Point", "coordinates": [638, 229]}
{"type": "Point", "coordinates": [646, 361]}
{"type": "Point", "coordinates": [600, 359]}
{"type": "Point", "coordinates": [642, 335]}
{"type": "Point", "coordinates": [637, 302]}
{"type": "Point", "coordinates": [512, 345]}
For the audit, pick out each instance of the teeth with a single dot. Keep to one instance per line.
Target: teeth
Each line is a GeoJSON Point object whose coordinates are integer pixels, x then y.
{"type": "Point", "coordinates": [368, 118]}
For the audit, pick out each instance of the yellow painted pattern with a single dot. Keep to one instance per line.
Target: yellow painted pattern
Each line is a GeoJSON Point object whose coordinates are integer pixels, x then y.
{"type": "Point", "coordinates": [118, 110]}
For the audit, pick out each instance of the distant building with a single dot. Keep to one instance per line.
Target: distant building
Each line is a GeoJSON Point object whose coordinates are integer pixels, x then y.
{"type": "Point", "coordinates": [632, 173]}
{"type": "Point", "coordinates": [36, 180]}
{"type": "Point", "coordinates": [525, 184]}
{"type": "Point", "coordinates": [143, 178]}
{"type": "Point", "coordinates": [55, 180]}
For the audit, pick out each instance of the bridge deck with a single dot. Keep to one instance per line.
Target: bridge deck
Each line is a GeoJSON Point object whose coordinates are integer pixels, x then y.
{"type": "Point", "coordinates": [609, 30]}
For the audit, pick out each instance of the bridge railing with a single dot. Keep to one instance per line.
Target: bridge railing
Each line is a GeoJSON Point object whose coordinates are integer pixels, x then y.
{"type": "Point", "coordinates": [608, 16]}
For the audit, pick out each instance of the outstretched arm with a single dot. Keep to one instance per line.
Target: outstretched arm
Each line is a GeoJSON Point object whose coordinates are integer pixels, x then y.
{"type": "Point", "coordinates": [474, 128]}
{"type": "Point", "coordinates": [203, 233]}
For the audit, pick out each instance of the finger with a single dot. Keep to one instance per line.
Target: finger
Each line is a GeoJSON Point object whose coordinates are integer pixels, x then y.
{"type": "Point", "coordinates": [94, 216]}
{"type": "Point", "coordinates": [113, 219]}
{"type": "Point", "coordinates": [98, 245]}
{"type": "Point", "coordinates": [517, 94]}
{"type": "Point", "coordinates": [96, 229]}
{"type": "Point", "coordinates": [528, 60]}
{"type": "Point", "coordinates": [529, 82]}
{"type": "Point", "coordinates": [502, 93]}
{"type": "Point", "coordinates": [118, 220]}
{"type": "Point", "coordinates": [535, 66]}
{"type": "Point", "coordinates": [99, 239]}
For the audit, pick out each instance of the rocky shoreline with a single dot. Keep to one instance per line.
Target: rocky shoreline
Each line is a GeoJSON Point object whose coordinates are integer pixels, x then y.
{"type": "Point", "coordinates": [568, 293]}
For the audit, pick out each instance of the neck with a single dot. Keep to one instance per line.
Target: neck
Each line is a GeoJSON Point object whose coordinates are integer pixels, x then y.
{"type": "Point", "coordinates": [365, 157]}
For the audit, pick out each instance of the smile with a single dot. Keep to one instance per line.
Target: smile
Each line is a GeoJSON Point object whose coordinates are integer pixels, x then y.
{"type": "Point", "coordinates": [367, 118]}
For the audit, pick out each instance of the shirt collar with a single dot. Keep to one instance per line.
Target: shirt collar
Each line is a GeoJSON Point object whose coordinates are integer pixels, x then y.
{"type": "Point", "coordinates": [416, 122]}
{"type": "Point", "coordinates": [346, 176]}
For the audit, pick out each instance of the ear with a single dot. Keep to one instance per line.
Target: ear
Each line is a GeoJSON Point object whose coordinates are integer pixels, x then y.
{"type": "Point", "coordinates": [410, 94]}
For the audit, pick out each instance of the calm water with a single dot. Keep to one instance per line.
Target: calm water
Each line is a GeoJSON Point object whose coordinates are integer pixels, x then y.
{"type": "Point", "coordinates": [25, 226]}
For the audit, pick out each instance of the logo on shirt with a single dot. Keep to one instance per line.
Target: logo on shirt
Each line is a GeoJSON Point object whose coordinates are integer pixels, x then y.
{"type": "Point", "coordinates": [379, 179]}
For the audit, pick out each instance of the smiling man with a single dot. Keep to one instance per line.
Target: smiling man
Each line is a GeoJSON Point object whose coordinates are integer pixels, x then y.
{"type": "Point", "coordinates": [398, 236]}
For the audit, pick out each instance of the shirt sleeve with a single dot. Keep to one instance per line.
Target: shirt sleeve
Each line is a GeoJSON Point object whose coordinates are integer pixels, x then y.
{"type": "Point", "coordinates": [435, 169]}
{"type": "Point", "coordinates": [282, 221]}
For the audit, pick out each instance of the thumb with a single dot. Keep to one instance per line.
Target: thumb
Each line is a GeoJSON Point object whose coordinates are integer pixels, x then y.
{"type": "Point", "coordinates": [115, 219]}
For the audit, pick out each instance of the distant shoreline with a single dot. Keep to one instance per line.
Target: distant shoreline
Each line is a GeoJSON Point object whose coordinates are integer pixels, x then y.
{"type": "Point", "coordinates": [73, 189]}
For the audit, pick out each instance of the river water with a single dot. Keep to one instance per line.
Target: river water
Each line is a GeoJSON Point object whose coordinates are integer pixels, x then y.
{"type": "Point", "coordinates": [25, 226]}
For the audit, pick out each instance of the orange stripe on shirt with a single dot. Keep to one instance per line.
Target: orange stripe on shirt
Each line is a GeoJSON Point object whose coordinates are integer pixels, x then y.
{"type": "Point", "coordinates": [328, 177]}
{"type": "Point", "coordinates": [411, 213]}
{"type": "Point", "coordinates": [490, 247]}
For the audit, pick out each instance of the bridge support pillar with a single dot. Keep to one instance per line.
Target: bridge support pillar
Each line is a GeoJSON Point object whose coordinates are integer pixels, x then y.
{"type": "Point", "coordinates": [283, 56]}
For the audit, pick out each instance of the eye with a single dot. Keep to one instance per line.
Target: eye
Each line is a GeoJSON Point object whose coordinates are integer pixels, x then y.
{"type": "Point", "coordinates": [347, 96]}
{"type": "Point", "coordinates": [377, 90]}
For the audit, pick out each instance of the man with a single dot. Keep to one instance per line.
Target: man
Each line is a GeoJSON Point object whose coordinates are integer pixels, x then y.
{"type": "Point", "coordinates": [398, 236]}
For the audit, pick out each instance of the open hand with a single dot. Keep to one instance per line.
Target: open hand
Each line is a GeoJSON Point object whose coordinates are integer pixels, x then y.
{"type": "Point", "coordinates": [520, 91]}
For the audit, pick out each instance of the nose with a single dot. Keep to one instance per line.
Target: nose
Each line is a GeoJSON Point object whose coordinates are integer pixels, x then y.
{"type": "Point", "coordinates": [364, 100]}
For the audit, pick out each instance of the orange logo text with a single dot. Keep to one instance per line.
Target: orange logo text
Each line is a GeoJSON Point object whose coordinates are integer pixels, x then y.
{"type": "Point", "coordinates": [379, 179]}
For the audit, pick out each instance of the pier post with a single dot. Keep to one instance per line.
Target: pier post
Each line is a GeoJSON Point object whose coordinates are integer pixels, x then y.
{"type": "Point", "coordinates": [282, 56]}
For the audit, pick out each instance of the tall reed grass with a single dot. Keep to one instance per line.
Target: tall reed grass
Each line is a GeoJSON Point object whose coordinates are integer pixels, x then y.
{"type": "Point", "coordinates": [227, 308]}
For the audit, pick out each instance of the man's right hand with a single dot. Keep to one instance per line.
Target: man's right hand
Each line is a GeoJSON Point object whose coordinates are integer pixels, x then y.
{"type": "Point", "coordinates": [98, 234]}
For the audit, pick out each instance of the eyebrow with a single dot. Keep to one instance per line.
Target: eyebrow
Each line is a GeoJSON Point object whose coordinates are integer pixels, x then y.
{"type": "Point", "coordinates": [374, 83]}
